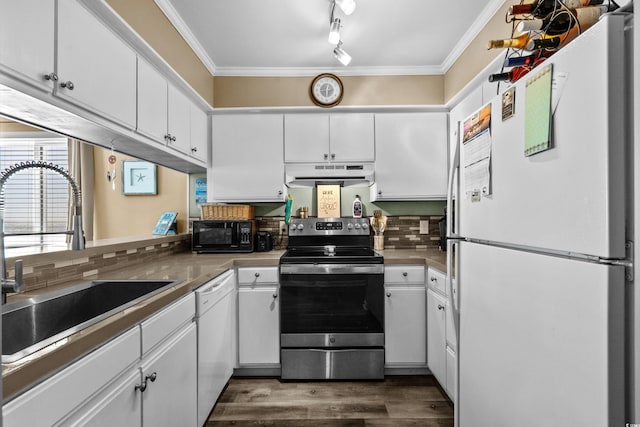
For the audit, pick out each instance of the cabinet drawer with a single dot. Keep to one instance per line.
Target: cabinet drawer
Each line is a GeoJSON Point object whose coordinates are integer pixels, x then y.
{"type": "Point", "coordinates": [59, 395]}
{"type": "Point", "coordinates": [436, 280]}
{"type": "Point", "coordinates": [257, 275]}
{"type": "Point", "coordinates": [404, 274]}
{"type": "Point", "coordinates": [161, 325]}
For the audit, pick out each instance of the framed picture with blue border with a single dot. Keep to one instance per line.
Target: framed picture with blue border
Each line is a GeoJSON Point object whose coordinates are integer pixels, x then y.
{"type": "Point", "coordinates": [139, 178]}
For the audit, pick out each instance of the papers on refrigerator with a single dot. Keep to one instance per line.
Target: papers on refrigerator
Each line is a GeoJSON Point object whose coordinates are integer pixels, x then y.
{"type": "Point", "coordinates": [476, 154]}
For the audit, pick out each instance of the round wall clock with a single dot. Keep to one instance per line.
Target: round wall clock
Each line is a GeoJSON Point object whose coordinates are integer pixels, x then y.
{"type": "Point", "coordinates": [326, 90]}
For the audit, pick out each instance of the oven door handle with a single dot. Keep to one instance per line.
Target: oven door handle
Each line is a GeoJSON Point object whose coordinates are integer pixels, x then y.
{"type": "Point", "coordinates": [331, 269]}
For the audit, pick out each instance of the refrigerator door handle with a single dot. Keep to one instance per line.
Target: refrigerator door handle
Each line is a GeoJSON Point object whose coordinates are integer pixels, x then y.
{"type": "Point", "coordinates": [452, 236]}
{"type": "Point", "coordinates": [455, 166]}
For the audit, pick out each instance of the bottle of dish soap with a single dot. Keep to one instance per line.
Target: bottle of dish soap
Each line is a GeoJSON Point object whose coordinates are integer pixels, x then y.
{"type": "Point", "coordinates": [357, 207]}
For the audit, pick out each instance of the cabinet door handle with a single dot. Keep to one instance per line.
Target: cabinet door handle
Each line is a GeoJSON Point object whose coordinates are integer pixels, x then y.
{"type": "Point", "coordinates": [388, 294]}
{"type": "Point", "coordinates": [380, 193]}
{"type": "Point", "coordinates": [333, 156]}
{"type": "Point", "coordinates": [279, 192]}
{"type": "Point", "coordinates": [405, 274]}
{"type": "Point", "coordinates": [194, 149]}
{"type": "Point", "coordinates": [440, 307]}
{"type": "Point", "coordinates": [434, 279]}
{"type": "Point", "coordinates": [51, 76]}
{"type": "Point", "coordinates": [67, 85]}
{"type": "Point", "coordinates": [257, 274]}
{"type": "Point", "coordinates": [326, 156]}
{"type": "Point", "coordinates": [275, 295]}
{"type": "Point", "coordinates": [142, 387]}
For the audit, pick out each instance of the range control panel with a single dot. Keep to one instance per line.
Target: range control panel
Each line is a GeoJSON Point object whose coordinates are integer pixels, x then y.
{"type": "Point", "coordinates": [329, 226]}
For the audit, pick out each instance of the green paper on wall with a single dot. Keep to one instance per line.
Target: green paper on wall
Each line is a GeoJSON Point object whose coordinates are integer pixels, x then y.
{"type": "Point", "coordinates": [537, 112]}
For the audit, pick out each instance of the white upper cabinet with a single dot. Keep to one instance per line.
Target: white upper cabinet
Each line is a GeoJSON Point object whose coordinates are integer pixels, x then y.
{"type": "Point", "coordinates": [411, 156]}
{"type": "Point", "coordinates": [96, 69]}
{"type": "Point", "coordinates": [247, 161]}
{"type": "Point", "coordinates": [315, 138]}
{"type": "Point", "coordinates": [352, 137]}
{"type": "Point", "coordinates": [179, 120]}
{"type": "Point", "coordinates": [27, 41]}
{"type": "Point", "coordinates": [152, 102]}
{"type": "Point", "coordinates": [306, 138]}
{"type": "Point", "coordinates": [168, 116]}
{"type": "Point", "coordinates": [199, 133]}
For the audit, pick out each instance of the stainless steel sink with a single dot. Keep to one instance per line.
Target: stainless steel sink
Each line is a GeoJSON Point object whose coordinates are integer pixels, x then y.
{"type": "Point", "coordinates": [32, 324]}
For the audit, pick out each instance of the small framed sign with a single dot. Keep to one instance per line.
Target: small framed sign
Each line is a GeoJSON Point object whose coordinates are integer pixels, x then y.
{"type": "Point", "coordinates": [166, 224]}
{"type": "Point", "coordinates": [328, 201]}
{"type": "Point", "coordinates": [138, 178]}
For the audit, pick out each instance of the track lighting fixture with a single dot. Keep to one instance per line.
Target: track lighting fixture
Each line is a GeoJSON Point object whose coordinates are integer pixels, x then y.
{"type": "Point", "coordinates": [347, 7]}
{"type": "Point", "coordinates": [341, 55]}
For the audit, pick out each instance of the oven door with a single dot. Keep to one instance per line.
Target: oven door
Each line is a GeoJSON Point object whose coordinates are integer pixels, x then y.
{"type": "Point", "coordinates": [331, 305]}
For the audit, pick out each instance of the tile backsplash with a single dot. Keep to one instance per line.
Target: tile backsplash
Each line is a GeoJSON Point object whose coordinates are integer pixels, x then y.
{"type": "Point", "coordinates": [403, 232]}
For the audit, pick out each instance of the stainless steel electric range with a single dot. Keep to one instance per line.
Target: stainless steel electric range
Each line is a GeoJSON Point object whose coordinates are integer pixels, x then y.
{"type": "Point", "coordinates": [331, 301]}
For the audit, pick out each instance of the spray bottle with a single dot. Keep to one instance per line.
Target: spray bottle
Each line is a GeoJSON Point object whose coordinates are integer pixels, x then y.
{"type": "Point", "coordinates": [357, 207]}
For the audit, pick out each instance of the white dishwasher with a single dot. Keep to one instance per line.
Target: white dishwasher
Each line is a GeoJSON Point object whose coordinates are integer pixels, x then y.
{"type": "Point", "coordinates": [215, 322]}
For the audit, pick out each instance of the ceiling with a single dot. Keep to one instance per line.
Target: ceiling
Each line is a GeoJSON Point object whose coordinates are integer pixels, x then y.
{"type": "Point", "coordinates": [289, 37]}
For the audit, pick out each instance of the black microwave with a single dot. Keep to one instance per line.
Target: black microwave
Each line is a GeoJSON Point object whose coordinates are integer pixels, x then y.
{"type": "Point", "coordinates": [221, 235]}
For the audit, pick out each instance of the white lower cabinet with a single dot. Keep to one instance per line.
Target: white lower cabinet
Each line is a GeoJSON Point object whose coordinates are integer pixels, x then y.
{"type": "Point", "coordinates": [52, 400]}
{"type": "Point", "coordinates": [259, 326]}
{"type": "Point", "coordinates": [451, 373]}
{"type": "Point", "coordinates": [258, 318]}
{"type": "Point", "coordinates": [118, 405]}
{"type": "Point", "coordinates": [441, 336]}
{"type": "Point", "coordinates": [436, 336]}
{"type": "Point", "coordinates": [144, 377]}
{"type": "Point", "coordinates": [405, 326]}
{"type": "Point", "coordinates": [170, 376]}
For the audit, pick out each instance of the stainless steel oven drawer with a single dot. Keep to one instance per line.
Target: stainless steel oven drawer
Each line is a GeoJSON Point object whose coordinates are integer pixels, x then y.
{"type": "Point", "coordinates": [321, 364]}
{"type": "Point", "coordinates": [332, 340]}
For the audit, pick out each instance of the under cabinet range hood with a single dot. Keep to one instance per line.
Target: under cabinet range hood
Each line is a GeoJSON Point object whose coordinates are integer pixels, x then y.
{"type": "Point", "coordinates": [310, 174]}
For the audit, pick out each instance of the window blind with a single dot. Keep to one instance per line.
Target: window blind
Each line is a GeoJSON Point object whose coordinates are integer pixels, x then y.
{"type": "Point", "coordinates": [36, 200]}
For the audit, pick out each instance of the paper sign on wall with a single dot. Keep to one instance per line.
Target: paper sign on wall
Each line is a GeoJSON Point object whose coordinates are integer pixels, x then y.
{"type": "Point", "coordinates": [328, 201]}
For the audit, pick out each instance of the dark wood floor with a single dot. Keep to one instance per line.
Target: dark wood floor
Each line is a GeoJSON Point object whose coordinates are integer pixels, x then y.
{"type": "Point", "coordinates": [398, 401]}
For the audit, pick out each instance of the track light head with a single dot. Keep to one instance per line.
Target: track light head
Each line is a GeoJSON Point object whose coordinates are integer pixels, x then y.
{"type": "Point", "coordinates": [341, 55]}
{"type": "Point", "coordinates": [347, 6]}
{"type": "Point", "coordinates": [334, 31]}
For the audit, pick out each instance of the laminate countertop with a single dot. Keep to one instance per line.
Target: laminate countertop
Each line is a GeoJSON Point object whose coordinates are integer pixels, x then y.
{"type": "Point", "coordinates": [193, 270]}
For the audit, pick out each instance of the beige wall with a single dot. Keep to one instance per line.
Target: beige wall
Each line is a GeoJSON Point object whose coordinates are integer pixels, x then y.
{"type": "Point", "coordinates": [146, 18]}
{"type": "Point", "coordinates": [117, 215]}
{"type": "Point", "coordinates": [358, 90]}
{"type": "Point", "coordinates": [476, 56]}
{"type": "Point", "coordinates": [8, 125]}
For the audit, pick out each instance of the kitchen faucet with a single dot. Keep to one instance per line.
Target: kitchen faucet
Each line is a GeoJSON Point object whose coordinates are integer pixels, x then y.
{"type": "Point", "coordinates": [77, 241]}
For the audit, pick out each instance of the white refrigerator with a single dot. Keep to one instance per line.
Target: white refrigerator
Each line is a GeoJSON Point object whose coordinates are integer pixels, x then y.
{"type": "Point", "coordinates": [539, 259]}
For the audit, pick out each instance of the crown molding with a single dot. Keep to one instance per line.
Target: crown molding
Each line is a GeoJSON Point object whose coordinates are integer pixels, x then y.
{"type": "Point", "coordinates": [473, 31]}
{"type": "Point", "coordinates": [312, 71]}
{"type": "Point", "coordinates": [174, 17]}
